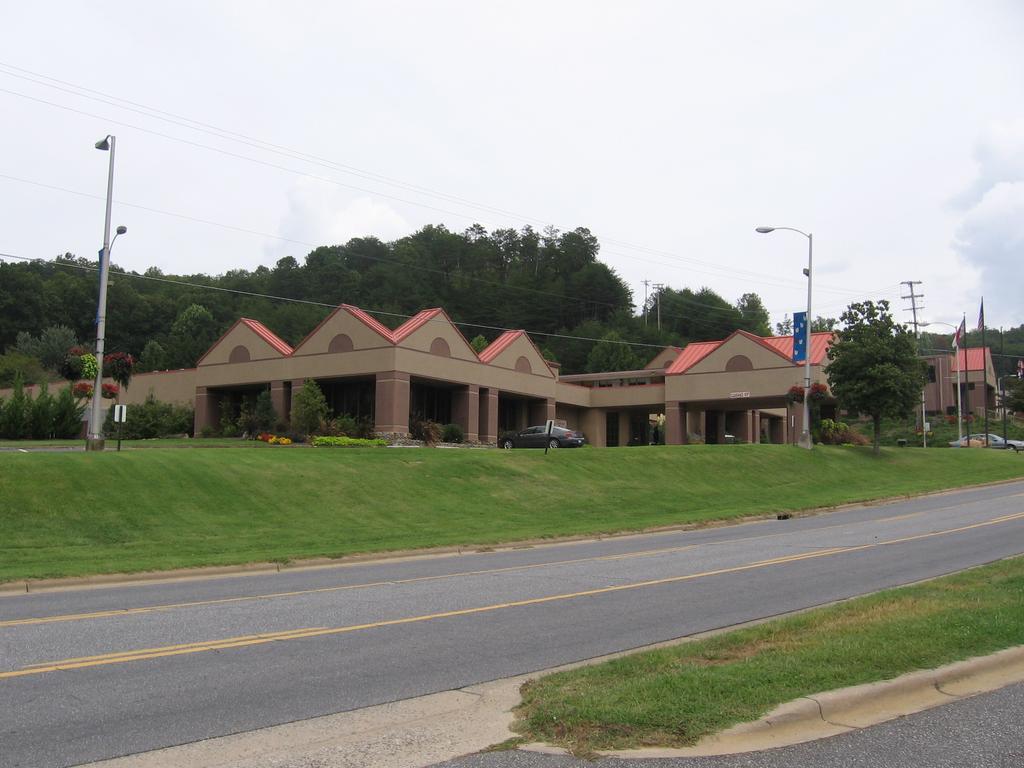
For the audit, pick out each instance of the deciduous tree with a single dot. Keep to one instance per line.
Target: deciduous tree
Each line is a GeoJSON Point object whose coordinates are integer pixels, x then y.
{"type": "Point", "coordinates": [874, 368]}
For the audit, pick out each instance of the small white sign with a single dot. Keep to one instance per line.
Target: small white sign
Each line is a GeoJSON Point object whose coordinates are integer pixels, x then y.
{"type": "Point", "coordinates": [549, 426]}
{"type": "Point", "coordinates": [120, 414]}
{"type": "Point", "coordinates": [927, 426]}
{"type": "Point", "coordinates": [735, 395]}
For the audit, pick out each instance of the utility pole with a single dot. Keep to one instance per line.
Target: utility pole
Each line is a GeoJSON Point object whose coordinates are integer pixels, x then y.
{"type": "Point", "coordinates": [646, 283]}
{"type": "Point", "coordinates": [658, 287]}
{"type": "Point", "coordinates": [914, 296]}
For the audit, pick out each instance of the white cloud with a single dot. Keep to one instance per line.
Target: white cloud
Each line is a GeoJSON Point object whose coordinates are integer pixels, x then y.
{"type": "Point", "coordinates": [990, 236]}
{"type": "Point", "coordinates": [323, 215]}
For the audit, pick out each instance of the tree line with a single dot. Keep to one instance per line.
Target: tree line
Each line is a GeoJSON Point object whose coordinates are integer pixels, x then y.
{"type": "Point", "coordinates": [550, 283]}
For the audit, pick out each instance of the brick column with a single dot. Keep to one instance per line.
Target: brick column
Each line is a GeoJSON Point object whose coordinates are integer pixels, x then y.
{"type": "Point", "coordinates": [466, 411]}
{"type": "Point", "coordinates": [280, 398]}
{"type": "Point", "coordinates": [675, 424]}
{"type": "Point", "coordinates": [541, 411]}
{"type": "Point", "coordinates": [205, 410]}
{"type": "Point", "coordinates": [391, 406]}
{"type": "Point", "coordinates": [487, 421]}
{"type": "Point", "coordinates": [755, 422]}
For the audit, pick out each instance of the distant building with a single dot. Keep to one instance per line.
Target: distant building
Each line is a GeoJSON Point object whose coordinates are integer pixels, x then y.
{"type": "Point", "coordinates": [975, 367]}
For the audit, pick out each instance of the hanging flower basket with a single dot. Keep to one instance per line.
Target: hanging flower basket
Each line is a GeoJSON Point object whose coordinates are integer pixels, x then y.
{"type": "Point", "coordinates": [119, 367]}
{"type": "Point", "coordinates": [795, 394]}
{"type": "Point", "coordinates": [82, 390]}
{"type": "Point", "coordinates": [110, 391]}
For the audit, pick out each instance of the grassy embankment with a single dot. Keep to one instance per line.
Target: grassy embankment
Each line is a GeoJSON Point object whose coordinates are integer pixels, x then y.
{"type": "Point", "coordinates": [674, 696]}
{"type": "Point", "coordinates": [66, 514]}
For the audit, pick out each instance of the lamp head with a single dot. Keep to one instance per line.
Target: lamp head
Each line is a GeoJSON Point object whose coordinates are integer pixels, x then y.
{"type": "Point", "coordinates": [103, 143]}
{"type": "Point", "coordinates": [765, 230]}
{"type": "Point", "coordinates": [122, 229]}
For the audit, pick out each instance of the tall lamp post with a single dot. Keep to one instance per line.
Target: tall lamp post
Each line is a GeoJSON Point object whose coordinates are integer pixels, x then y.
{"type": "Point", "coordinates": [805, 434]}
{"type": "Point", "coordinates": [94, 439]}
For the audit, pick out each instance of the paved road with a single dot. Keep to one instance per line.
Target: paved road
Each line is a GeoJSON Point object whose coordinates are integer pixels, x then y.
{"type": "Point", "coordinates": [986, 731]}
{"type": "Point", "coordinates": [98, 673]}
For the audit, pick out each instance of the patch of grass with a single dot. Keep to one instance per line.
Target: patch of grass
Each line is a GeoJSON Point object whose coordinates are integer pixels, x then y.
{"type": "Point", "coordinates": [675, 696]}
{"type": "Point", "coordinates": [942, 434]}
{"type": "Point", "coordinates": [76, 513]}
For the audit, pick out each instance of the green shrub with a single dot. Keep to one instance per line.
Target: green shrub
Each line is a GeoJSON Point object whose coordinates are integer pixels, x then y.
{"type": "Point", "coordinates": [16, 419]}
{"type": "Point", "coordinates": [152, 419]}
{"type": "Point", "coordinates": [309, 408]}
{"type": "Point", "coordinates": [452, 433]}
{"type": "Point", "coordinates": [340, 441]}
{"type": "Point", "coordinates": [427, 431]}
{"type": "Point", "coordinates": [208, 431]}
{"type": "Point", "coordinates": [41, 415]}
{"type": "Point", "coordinates": [67, 414]}
{"type": "Point", "coordinates": [264, 414]}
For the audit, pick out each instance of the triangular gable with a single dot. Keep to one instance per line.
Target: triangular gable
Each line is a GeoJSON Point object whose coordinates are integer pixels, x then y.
{"type": "Point", "coordinates": [364, 331]}
{"type": "Point", "coordinates": [422, 331]}
{"type": "Point", "coordinates": [259, 342]}
{"type": "Point", "coordinates": [760, 354]}
{"type": "Point", "coordinates": [505, 351]}
{"type": "Point", "coordinates": [663, 359]}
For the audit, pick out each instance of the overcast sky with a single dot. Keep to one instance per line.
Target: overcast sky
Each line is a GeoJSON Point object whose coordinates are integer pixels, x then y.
{"type": "Point", "coordinates": [894, 131]}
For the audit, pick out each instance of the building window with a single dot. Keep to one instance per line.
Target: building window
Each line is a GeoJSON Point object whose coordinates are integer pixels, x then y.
{"type": "Point", "coordinates": [931, 374]}
{"type": "Point", "coordinates": [523, 365]}
{"type": "Point", "coordinates": [239, 354]}
{"type": "Point", "coordinates": [440, 347]}
{"type": "Point", "coordinates": [341, 343]}
{"type": "Point", "coordinates": [739, 363]}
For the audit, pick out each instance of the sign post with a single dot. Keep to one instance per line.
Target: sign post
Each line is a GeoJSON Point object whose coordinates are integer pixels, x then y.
{"type": "Point", "coordinates": [547, 442]}
{"type": "Point", "coordinates": [120, 417]}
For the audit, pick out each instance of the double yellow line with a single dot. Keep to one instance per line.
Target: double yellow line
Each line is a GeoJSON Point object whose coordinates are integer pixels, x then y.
{"type": "Point", "coordinates": [250, 640]}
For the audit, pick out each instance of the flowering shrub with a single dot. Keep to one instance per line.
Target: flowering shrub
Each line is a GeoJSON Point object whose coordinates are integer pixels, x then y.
{"type": "Point", "coordinates": [270, 439]}
{"type": "Point", "coordinates": [82, 390]}
{"type": "Point", "coordinates": [110, 391]}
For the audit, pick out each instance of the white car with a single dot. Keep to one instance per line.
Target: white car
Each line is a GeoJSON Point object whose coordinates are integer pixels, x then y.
{"type": "Point", "coordinates": [994, 441]}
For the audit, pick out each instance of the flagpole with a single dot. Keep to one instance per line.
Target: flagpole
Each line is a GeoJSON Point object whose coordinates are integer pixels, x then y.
{"type": "Point", "coordinates": [959, 411]}
{"type": "Point", "coordinates": [984, 368]}
{"type": "Point", "coordinates": [959, 386]}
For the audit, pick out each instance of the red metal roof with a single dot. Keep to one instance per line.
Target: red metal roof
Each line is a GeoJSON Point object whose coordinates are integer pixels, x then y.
{"type": "Point", "coordinates": [370, 322]}
{"type": "Point", "coordinates": [691, 355]}
{"type": "Point", "coordinates": [819, 346]}
{"type": "Point", "coordinates": [783, 345]}
{"type": "Point", "coordinates": [268, 336]}
{"type": "Point", "coordinates": [499, 345]}
{"type": "Point", "coordinates": [414, 323]}
{"type": "Point", "coordinates": [974, 357]}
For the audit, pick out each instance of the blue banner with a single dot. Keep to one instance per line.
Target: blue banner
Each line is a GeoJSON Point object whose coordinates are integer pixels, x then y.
{"type": "Point", "coordinates": [799, 337]}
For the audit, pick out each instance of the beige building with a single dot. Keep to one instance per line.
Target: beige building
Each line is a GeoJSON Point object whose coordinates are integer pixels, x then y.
{"type": "Point", "coordinates": [734, 389]}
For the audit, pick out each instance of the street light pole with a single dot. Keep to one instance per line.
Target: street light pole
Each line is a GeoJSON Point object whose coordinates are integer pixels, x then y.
{"type": "Point", "coordinates": [805, 434]}
{"type": "Point", "coordinates": [94, 439]}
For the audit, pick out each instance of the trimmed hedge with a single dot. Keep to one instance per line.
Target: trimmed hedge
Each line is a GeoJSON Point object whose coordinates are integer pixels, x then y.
{"type": "Point", "coordinates": [346, 442]}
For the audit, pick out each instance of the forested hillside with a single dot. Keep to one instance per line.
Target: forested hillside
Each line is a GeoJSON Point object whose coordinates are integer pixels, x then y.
{"type": "Point", "coordinates": [547, 283]}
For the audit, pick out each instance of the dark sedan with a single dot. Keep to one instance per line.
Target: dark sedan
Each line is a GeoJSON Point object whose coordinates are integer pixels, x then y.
{"type": "Point", "coordinates": [537, 437]}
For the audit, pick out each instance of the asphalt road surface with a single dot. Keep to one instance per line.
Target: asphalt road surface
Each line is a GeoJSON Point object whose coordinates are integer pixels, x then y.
{"type": "Point", "coordinates": [986, 731]}
{"type": "Point", "coordinates": [98, 673]}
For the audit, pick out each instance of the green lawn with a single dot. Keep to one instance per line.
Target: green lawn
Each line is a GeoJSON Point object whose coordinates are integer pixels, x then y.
{"type": "Point", "coordinates": [674, 696]}
{"type": "Point", "coordinates": [65, 513]}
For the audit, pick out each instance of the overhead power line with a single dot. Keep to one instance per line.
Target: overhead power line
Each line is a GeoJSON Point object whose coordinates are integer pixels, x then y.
{"type": "Point", "coordinates": [280, 150]}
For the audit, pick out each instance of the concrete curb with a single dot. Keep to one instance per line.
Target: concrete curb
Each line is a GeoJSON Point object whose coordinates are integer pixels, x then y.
{"type": "Point", "coordinates": [420, 732]}
{"type": "Point", "coordinates": [23, 586]}
{"type": "Point", "coordinates": [848, 709]}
